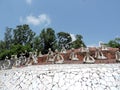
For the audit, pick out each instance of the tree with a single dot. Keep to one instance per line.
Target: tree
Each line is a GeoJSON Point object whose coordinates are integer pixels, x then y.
{"type": "Point", "coordinates": [48, 39]}
{"type": "Point", "coordinates": [8, 37]}
{"type": "Point", "coordinates": [114, 43]}
{"type": "Point", "coordinates": [37, 43]}
{"type": "Point", "coordinates": [64, 40]}
{"type": "Point", "coordinates": [4, 53]}
{"type": "Point", "coordinates": [2, 45]}
{"type": "Point", "coordinates": [78, 42]}
{"type": "Point", "coordinates": [23, 35]}
{"type": "Point", "coordinates": [17, 49]}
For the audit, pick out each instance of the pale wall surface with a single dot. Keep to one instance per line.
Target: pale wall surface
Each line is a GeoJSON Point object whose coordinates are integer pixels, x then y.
{"type": "Point", "coordinates": [62, 77]}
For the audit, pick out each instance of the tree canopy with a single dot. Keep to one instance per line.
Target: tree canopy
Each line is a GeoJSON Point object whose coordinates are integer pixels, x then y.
{"type": "Point", "coordinates": [64, 40]}
{"type": "Point", "coordinates": [48, 39]}
{"type": "Point", "coordinates": [78, 42]}
{"type": "Point", "coordinates": [23, 35]}
{"type": "Point", "coordinates": [23, 38]}
{"type": "Point", "coordinates": [114, 43]}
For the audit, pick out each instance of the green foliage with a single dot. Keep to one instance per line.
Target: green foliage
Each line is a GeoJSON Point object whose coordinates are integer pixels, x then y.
{"type": "Point", "coordinates": [48, 39]}
{"type": "Point", "coordinates": [4, 53]}
{"type": "Point", "coordinates": [8, 38]}
{"type": "Point", "coordinates": [17, 49]}
{"type": "Point", "coordinates": [14, 50]}
{"type": "Point", "coordinates": [2, 45]}
{"type": "Point", "coordinates": [23, 38]}
{"type": "Point", "coordinates": [37, 43]}
{"type": "Point", "coordinates": [114, 43]}
{"type": "Point", "coordinates": [23, 35]}
{"type": "Point", "coordinates": [78, 42]}
{"type": "Point", "coordinates": [64, 39]}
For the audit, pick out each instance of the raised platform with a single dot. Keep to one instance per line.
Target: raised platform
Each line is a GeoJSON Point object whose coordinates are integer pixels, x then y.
{"type": "Point", "coordinates": [107, 61]}
{"type": "Point", "coordinates": [110, 54]}
{"type": "Point", "coordinates": [62, 77]}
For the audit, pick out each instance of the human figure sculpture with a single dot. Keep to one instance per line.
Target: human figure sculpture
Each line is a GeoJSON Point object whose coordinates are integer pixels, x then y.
{"type": "Point", "coordinates": [26, 57]}
{"type": "Point", "coordinates": [50, 56]}
{"type": "Point", "coordinates": [99, 54]}
{"type": "Point", "coordinates": [63, 50]}
{"type": "Point", "coordinates": [6, 58]}
{"type": "Point", "coordinates": [35, 53]}
{"type": "Point", "coordinates": [73, 56]}
{"type": "Point", "coordinates": [34, 56]}
{"type": "Point", "coordinates": [21, 59]}
{"type": "Point", "coordinates": [3, 67]}
{"type": "Point", "coordinates": [7, 63]}
{"type": "Point", "coordinates": [16, 57]}
{"type": "Point", "coordinates": [26, 54]}
{"type": "Point", "coordinates": [24, 60]}
{"type": "Point", "coordinates": [16, 61]}
{"type": "Point", "coordinates": [83, 49]}
{"type": "Point", "coordinates": [40, 54]}
{"type": "Point", "coordinates": [103, 47]}
{"type": "Point", "coordinates": [117, 55]}
{"type": "Point", "coordinates": [30, 59]}
{"type": "Point", "coordinates": [88, 59]}
{"type": "Point", "coordinates": [58, 58]}
{"type": "Point", "coordinates": [12, 57]}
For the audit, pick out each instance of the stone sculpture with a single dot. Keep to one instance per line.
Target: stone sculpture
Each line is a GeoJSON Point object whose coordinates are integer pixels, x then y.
{"type": "Point", "coordinates": [30, 59]}
{"type": "Point", "coordinates": [16, 57]}
{"type": "Point", "coordinates": [99, 54]}
{"type": "Point", "coordinates": [15, 60]}
{"type": "Point", "coordinates": [103, 47]}
{"type": "Point", "coordinates": [117, 55]}
{"type": "Point", "coordinates": [21, 59]}
{"type": "Point", "coordinates": [34, 56]}
{"type": "Point", "coordinates": [3, 67]}
{"type": "Point", "coordinates": [40, 54]}
{"type": "Point", "coordinates": [73, 56]}
{"type": "Point", "coordinates": [58, 58]}
{"type": "Point", "coordinates": [7, 63]}
{"type": "Point", "coordinates": [63, 50]}
{"type": "Point", "coordinates": [88, 59]}
{"type": "Point", "coordinates": [83, 49]}
{"type": "Point", "coordinates": [17, 63]}
{"type": "Point", "coordinates": [26, 57]}
{"type": "Point", "coordinates": [50, 56]}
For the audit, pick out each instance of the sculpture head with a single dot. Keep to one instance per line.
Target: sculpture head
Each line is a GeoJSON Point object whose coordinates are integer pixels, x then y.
{"type": "Point", "coordinates": [25, 51]}
{"type": "Point", "coordinates": [72, 49]}
{"type": "Point", "coordinates": [49, 49]}
{"type": "Point", "coordinates": [6, 57]}
{"type": "Point", "coordinates": [81, 45]}
{"type": "Point", "coordinates": [56, 51]}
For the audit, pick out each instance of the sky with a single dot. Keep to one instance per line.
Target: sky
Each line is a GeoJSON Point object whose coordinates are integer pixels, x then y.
{"type": "Point", "coordinates": [95, 20]}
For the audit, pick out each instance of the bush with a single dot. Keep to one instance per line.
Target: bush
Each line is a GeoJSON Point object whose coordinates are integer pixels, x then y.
{"type": "Point", "coordinates": [14, 50]}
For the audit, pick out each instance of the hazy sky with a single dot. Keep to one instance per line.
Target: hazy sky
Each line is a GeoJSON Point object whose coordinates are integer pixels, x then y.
{"type": "Point", "coordinates": [95, 20]}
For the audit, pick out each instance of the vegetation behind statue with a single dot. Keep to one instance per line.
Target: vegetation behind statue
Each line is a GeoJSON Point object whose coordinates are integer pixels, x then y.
{"type": "Point", "coordinates": [23, 38]}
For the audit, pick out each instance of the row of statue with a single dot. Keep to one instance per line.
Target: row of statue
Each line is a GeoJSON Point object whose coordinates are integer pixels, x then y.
{"type": "Point", "coordinates": [29, 58]}
{"type": "Point", "coordinates": [58, 58]}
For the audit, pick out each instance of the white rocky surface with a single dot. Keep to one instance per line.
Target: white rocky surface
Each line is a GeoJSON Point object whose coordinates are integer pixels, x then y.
{"type": "Point", "coordinates": [62, 77]}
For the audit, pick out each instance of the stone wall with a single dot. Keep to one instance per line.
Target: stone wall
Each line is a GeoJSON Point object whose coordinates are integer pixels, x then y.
{"type": "Point", "coordinates": [110, 54]}
{"type": "Point", "coordinates": [62, 77]}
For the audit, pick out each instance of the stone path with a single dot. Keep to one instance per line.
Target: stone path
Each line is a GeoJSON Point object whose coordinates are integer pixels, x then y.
{"type": "Point", "coordinates": [62, 77]}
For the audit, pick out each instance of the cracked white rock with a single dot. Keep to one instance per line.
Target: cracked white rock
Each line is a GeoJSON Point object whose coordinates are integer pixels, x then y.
{"type": "Point", "coordinates": [62, 77]}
